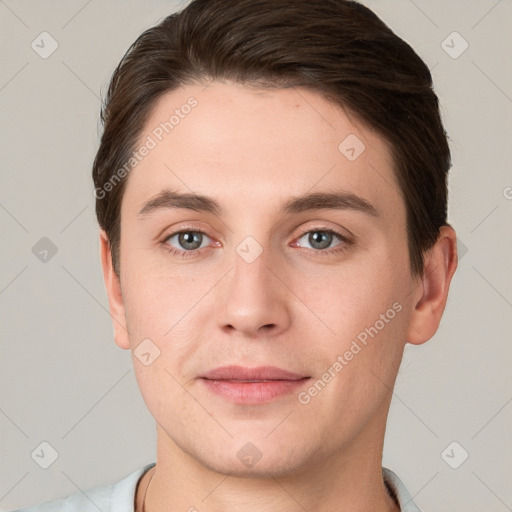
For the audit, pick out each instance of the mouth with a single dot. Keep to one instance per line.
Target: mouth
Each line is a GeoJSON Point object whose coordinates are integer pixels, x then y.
{"type": "Point", "coordinates": [255, 374]}
{"type": "Point", "coordinates": [242, 385]}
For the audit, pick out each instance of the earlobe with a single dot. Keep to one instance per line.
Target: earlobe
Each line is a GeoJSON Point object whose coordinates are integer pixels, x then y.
{"type": "Point", "coordinates": [115, 297]}
{"type": "Point", "coordinates": [430, 301]}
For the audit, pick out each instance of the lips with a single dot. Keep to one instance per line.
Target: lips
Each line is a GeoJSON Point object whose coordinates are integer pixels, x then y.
{"type": "Point", "coordinates": [251, 386]}
{"type": "Point", "coordinates": [257, 374]}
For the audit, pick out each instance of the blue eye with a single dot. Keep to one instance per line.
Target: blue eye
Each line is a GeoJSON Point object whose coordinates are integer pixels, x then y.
{"type": "Point", "coordinates": [321, 239]}
{"type": "Point", "coordinates": [189, 242]}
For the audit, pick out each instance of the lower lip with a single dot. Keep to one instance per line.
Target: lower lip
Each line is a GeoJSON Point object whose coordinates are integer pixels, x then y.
{"type": "Point", "coordinates": [241, 392]}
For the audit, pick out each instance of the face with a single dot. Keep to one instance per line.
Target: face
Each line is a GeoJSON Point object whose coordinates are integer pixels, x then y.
{"type": "Point", "coordinates": [253, 274]}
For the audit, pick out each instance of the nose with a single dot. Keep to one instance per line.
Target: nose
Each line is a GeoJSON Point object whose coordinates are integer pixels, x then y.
{"type": "Point", "coordinates": [253, 298]}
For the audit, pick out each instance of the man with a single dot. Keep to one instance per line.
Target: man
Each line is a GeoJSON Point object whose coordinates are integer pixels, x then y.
{"type": "Point", "coordinates": [271, 192]}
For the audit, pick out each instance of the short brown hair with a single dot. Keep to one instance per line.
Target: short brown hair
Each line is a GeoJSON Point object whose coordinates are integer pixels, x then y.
{"type": "Point", "coordinates": [337, 48]}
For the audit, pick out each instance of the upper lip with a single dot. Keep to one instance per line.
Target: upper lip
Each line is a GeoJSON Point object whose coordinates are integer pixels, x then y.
{"type": "Point", "coordinates": [257, 373]}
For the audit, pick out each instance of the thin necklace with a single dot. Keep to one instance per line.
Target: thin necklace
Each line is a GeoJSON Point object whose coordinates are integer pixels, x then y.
{"type": "Point", "coordinates": [146, 491]}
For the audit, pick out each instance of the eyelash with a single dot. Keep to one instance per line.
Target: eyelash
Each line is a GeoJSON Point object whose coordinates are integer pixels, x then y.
{"type": "Point", "coordinates": [346, 242]}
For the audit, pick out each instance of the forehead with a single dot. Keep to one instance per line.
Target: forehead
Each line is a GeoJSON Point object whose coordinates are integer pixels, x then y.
{"type": "Point", "coordinates": [248, 146]}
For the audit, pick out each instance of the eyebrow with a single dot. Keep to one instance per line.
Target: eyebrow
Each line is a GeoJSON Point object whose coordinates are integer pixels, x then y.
{"type": "Point", "coordinates": [169, 199]}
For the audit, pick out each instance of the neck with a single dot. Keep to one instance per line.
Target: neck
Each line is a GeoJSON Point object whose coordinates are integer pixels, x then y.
{"type": "Point", "coordinates": [350, 479]}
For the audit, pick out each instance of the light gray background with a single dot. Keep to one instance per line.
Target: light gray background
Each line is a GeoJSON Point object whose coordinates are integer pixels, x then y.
{"type": "Point", "coordinates": [65, 382]}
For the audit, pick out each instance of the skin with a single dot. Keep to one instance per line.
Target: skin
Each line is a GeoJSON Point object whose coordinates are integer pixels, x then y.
{"type": "Point", "coordinates": [296, 306]}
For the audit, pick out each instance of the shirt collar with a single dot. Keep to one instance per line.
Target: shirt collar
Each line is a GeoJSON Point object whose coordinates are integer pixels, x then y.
{"type": "Point", "coordinates": [399, 491]}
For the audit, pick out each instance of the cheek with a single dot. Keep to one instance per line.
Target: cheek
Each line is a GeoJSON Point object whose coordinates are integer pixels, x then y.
{"type": "Point", "coordinates": [352, 297]}
{"type": "Point", "coordinates": [359, 366]}
{"type": "Point", "coordinates": [164, 394]}
{"type": "Point", "coordinates": [156, 299]}
{"type": "Point", "coordinates": [367, 310]}
{"type": "Point", "coordinates": [166, 317]}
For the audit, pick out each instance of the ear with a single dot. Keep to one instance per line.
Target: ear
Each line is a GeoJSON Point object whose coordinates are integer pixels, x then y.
{"type": "Point", "coordinates": [429, 297]}
{"type": "Point", "coordinates": [115, 297]}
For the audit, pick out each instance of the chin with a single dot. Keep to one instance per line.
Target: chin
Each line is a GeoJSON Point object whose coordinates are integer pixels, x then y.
{"type": "Point", "coordinates": [244, 459]}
